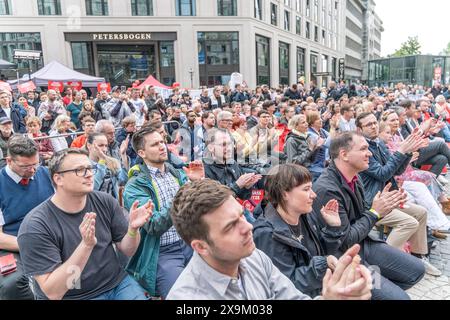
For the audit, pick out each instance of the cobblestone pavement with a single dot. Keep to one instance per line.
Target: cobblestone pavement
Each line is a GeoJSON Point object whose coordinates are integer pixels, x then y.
{"type": "Point", "coordinates": [436, 288]}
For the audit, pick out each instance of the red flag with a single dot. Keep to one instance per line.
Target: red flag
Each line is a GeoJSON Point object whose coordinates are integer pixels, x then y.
{"type": "Point", "coordinates": [56, 85]}
{"type": "Point", "coordinates": [5, 86]}
{"type": "Point", "coordinates": [26, 87]}
{"type": "Point", "coordinates": [104, 86]}
{"type": "Point", "coordinates": [76, 85]}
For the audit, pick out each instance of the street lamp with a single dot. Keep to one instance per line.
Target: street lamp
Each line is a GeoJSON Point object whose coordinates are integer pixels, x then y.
{"type": "Point", "coordinates": [191, 73]}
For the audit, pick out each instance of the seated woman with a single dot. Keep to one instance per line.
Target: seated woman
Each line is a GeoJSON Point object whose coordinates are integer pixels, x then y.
{"type": "Point", "coordinates": [34, 125]}
{"type": "Point", "coordinates": [300, 148]}
{"type": "Point", "coordinates": [110, 174]}
{"type": "Point", "coordinates": [415, 182]}
{"type": "Point", "coordinates": [60, 128]}
{"type": "Point", "coordinates": [243, 140]}
{"type": "Point", "coordinates": [289, 235]}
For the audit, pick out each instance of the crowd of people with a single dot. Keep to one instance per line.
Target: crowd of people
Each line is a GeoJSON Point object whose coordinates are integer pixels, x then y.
{"type": "Point", "coordinates": [132, 196]}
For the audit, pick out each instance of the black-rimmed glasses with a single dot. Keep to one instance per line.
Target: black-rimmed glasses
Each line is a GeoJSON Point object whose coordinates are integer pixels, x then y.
{"type": "Point", "coordinates": [81, 172]}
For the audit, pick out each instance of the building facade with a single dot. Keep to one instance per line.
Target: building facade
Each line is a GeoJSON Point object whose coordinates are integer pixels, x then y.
{"type": "Point", "coordinates": [194, 42]}
{"type": "Point", "coordinates": [363, 28]}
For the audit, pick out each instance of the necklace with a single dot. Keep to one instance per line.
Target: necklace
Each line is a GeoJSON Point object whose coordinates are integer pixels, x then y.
{"type": "Point", "coordinates": [294, 234]}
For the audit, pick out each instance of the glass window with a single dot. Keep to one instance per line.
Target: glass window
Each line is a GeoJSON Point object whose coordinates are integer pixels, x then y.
{"type": "Point", "coordinates": [324, 37]}
{"type": "Point", "coordinates": [227, 7]}
{"type": "Point", "coordinates": [287, 21]}
{"type": "Point", "coordinates": [218, 56]}
{"type": "Point", "coordinates": [25, 41]}
{"type": "Point", "coordinates": [97, 7]}
{"type": "Point", "coordinates": [284, 63]}
{"type": "Point", "coordinates": [298, 26]}
{"type": "Point", "coordinates": [308, 8]}
{"type": "Point", "coordinates": [287, 3]}
{"type": "Point", "coordinates": [5, 7]}
{"type": "Point", "coordinates": [274, 14]}
{"type": "Point", "coordinates": [324, 63]}
{"type": "Point", "coordinates": [300, 62]}
{"type": "Point", "coordinates": [308, 30]}
{"type": "Point", "coordinates": [142, 7]}
{"type": "Point", "coordinates": [167, 62]}
{"type": "Point", "coordinates": [316, 10]}
{"type": "Point", "coordinates": [333, 69]}
{"type": "Point", "coordinates": [258, 9]}
{"type": "Point", "coordinates": [322, 19]}
{"type": "Point", "coordinates": [185, 7]}
{"type": "Point", "coordinates": [298, 5]}
{"type": "Point", "coordinates": [49, 7]}
{"type": "Point", "coordinates": [82, 57]}
{"type": "Point", "coordinates": [262, 60]}
{"type": "Point", "coordinates": [313, 61]}
{"type": "Point", "coordinates": [316, 33]}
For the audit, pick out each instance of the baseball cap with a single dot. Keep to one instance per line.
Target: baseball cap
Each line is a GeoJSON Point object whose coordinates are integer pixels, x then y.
{"type": "Point", "coordinates": [5, 120]}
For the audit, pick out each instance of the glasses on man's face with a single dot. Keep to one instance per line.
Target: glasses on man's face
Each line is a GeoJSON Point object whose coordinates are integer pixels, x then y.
{"type": "Point", "coordinates": [370, 124]}
{"type": "Point", "coordinates": [27, 167]}
{"type": "Point", "coordinates": [81, 172]}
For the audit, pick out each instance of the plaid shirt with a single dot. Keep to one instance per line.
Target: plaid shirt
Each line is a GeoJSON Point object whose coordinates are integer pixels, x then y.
{"type": "Point", "coordinates": [167, 189]}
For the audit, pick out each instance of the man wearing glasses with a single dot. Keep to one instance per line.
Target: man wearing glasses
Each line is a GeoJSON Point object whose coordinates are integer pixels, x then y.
{"type": "Point", "coordinates": [23, 186]}
{"type": "Point", "coordinates": [66, 243]}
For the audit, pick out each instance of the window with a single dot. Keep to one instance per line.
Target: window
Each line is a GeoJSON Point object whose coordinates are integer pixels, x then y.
{"type": "Point", "coordinates": [322, 19]}
{"type": "Point", "coordinates": [258, 9]}
{"type": "Point", "coordinates": [308, 8]}
{"type": "Point", "coordinates": [336, 5]}
{"type": "Point", "coordinates": [308, 30]}
{"type": "Point", "coordinates": [5, 7]}
{"type": "Point", "coordinates": [273, 14]}
{"type": "Point", "coordinates": [333, 69]}
{"type": "Point", "coordinates": [142, 7]}
{"type": "Point", "coordinates": [300, 62]}
{"type": "Point", "coordinates": [49, 7]}
{"type": "Point", "coordinates": [227, 7]}
{"type": "Point", "coordinates": [185, 7]}
{"type": "Point", "coordinates": [287, 21]}
{"type": "Point", "coordinates": [324, 37]}
{"type": "Point", "coordinates": [298, 25]}
{"type": "Point", "coordinates": [82, 56]}
{"type": "Point", "coordinates": [316, 33]}
{"type": "Point", "coordinates": [284, 63]}
{"type": "Point", "coordinates": [97, 7]}
{"type": "Point", "coordinates": [324, 69]}
{"type": "Point", "coordinates": [25, 41]}
{"type": "Point", "coordinates": [287, 3]}
{"type": "Point", "coordinates": [167, 62]}
{"type": "Point", "coordinates": [298, 5]}
{"type": "Point", "coordinates": [313, 61]}
{"type": "Point", "coordinates": [335, 26]}
{"type": "Point", "coordinates": [316, 10]}
{"type": "Point", "coordinates": [262, 60]}
{"type": "Point", "coordinates": [218, 57]}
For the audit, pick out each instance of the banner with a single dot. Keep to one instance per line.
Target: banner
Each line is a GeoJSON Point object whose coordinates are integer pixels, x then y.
{"type": "Point", "coordinates": [56, 85]}
{"type": "Point", "coordinates": [341, 69]}
{"type": "Point", "coordinates": [5, 86]}
{"type": "Point", "coordinates": [75, 85]}
{"type": "Point", "coordinates": [26, 87]}
{"type": "Point", "coordinates": [104, 86]}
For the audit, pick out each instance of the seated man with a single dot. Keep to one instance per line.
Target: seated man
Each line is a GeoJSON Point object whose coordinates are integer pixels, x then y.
{"type": "Point", "coordinates": [226, 265]}
{"type": "Point", "coordinates": [350, 155]}
{"type": "Point", "coordinates": [88, 125]}
{"type": "Point", "coordinates": [66, 243]}
{"type": "Point", "coordinates": [407, 223]}
{"type": "Point", "coordinates": [221, 166]}
{"type": "Point", "coordinates": [23, 186]}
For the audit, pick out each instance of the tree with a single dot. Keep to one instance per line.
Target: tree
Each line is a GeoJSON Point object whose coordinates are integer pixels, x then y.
{"type": "Point", "coordinates": [446, 51]}
{"type": "Point", "coordinates": [410, 47]}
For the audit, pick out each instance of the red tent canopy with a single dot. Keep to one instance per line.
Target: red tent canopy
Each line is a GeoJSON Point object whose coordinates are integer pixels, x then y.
{"type": "Point", "coordinates": [151, 81]}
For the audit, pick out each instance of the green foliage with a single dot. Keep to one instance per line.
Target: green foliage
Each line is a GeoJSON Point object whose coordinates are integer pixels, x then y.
{"type": "Point", "coordinates": [410, 47]}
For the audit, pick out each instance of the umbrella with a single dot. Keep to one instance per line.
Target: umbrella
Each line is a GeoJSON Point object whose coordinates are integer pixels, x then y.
{"type": "Point", "coordinates": [6, 65]}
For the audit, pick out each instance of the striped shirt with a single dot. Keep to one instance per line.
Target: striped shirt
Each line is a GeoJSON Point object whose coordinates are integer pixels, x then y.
{"type": "Point", "coordinates": [167, 188]}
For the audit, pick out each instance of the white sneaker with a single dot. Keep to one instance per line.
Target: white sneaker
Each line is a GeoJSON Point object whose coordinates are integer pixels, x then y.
{"type": "Point", "coordinates": [430, 269]}
{"type": "Point", "coordinates": [443, 180]}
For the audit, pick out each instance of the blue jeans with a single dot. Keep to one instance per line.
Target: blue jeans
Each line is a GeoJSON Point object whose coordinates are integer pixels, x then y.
{"type": "Point", "coordinates": [128, 289]}
{"type": "Point", "coordinates": [399, 271]}
{"type": "Point", "coordinates": [171, 262]}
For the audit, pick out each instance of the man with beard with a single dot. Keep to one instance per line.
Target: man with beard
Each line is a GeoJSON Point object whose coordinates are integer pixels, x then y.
{"type": "Point", "coordinates": [49, 110]}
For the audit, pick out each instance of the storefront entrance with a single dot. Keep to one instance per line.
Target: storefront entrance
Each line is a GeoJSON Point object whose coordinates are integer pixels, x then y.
{"type": "Point", "coordinates": [123, 64]}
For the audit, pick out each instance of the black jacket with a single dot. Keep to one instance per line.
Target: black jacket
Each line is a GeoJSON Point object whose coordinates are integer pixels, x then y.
{"type": "Point", "coordinates": [297, 150]}
{"type": "Point", "coordinates": [251, 122]}
{"type": "Point", "coordinates": [273, 236]}
{"type": "Point", "coordinates": [356, 219]}
{"type": "Point", "coordinates": [228, 174]}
